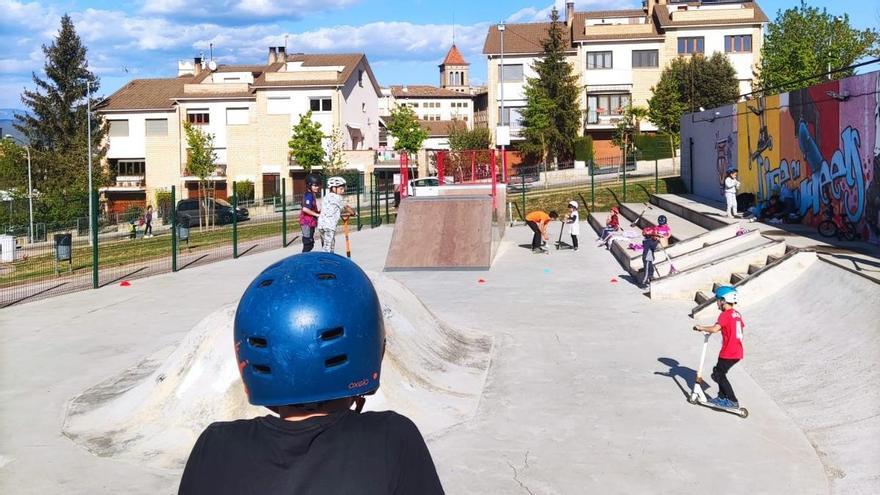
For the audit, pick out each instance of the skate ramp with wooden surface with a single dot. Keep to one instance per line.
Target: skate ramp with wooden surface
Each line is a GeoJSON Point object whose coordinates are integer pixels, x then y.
{"type": "Point", "coordinates": [814, 346]}
{"type": "Point", "coordinates": [153, 412]}
{"type": "Point", "coordinates": [446, 232]}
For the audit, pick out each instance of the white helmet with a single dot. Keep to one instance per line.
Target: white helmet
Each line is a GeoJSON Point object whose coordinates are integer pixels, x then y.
{"type": "Point", "coordinates": [573, 204]}
{"type": "Point", "coordinates": [727, 293]}
{"type": "Point", "coordinates": [335, 181]}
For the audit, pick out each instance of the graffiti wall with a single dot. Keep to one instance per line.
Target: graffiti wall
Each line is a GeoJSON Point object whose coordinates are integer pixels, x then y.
{"type": "Point", "coordinates": [818, 148]}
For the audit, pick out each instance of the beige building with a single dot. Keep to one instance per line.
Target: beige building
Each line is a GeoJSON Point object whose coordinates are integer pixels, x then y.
{"type": "Point", "coordinates": [250, 111]}
{"type": "Point", "coordinates": [619, 55]}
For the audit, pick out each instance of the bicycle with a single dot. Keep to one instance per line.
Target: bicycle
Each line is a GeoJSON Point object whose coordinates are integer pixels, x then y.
{"type": "Point", "coordinates": [837, 225]}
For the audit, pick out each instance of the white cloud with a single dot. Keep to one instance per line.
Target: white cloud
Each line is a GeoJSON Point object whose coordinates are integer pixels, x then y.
{"type": "Point", "coordinates": [241, 11]}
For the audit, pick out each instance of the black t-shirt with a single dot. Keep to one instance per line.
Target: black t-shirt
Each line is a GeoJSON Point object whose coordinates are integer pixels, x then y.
{"type": "Point", "coordinates": [342, 453]}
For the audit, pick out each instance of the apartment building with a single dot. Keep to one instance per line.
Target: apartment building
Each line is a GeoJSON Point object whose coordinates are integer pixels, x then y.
{"type": "Point", "coordinates": [250, 111]}
{"type": "Point", "coordinates": [619, 55]}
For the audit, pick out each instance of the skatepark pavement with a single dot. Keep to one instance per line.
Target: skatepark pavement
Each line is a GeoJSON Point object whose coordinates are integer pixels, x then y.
{"type": "Point", "coordinates": [585, 390]}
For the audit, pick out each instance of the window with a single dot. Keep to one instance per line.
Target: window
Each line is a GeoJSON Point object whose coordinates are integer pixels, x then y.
{"type": "Point", "coordinates": [320, 104]}
{"type": "Point", "coordinates": [118, 128]}
{"type": "Point", "coordinates": [361, 78]}
{"type": "Point", "coordinates": [231, 79]}
{"type": "Point", "coordinates": [156, 127]}
{"type": "Point", "coordinates": [278, 105]}
{"type": "Point", "coordinates": [198, 117]}
{"type": "Point", "coordinates": [645, 58]}
{"type": "Point", "coordinates": [690, 45]}
{"type": "Point", "coordinates": [609, 105]}
{"type": "Point", "coordinates": [512, 117]}
{"type": "Point", "coordinates": [236, 116]}
{"type": "Point", "coordinates": [511, 72]}
{"type": "Point", "coordinates": [599, 60]}
{"type": "Point", "coordinates": [130, 167]}
{"type": "Point", "coordinates": [738, 43]}
{"type": "Point", "coordinates": [364, 107]}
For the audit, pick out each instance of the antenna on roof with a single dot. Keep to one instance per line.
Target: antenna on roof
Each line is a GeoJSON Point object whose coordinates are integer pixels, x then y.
{"type": "Point", "coordinates": [453, 26]}
{"type": "Point", "coordinates": [211, 45]}
{"type": "Point", "coordinates": [285, 42]}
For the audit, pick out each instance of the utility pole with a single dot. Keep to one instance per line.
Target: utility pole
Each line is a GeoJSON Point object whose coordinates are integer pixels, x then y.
{"type": "Point", "coordinates": [501, 117]}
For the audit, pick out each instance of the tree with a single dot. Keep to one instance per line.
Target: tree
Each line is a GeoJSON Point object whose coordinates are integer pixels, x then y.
{"type": "Point", "coordinates": [665, 107]}
{"type": "Point", "coordinates": [305, 145]}
{"type": "Point", "coordinates": [461, 139]}
{"type": "Point", "coordinates": [558, 83]}
{"type": "Point", "coordinates": [13, 166]}
{"type": "Point", "coordinates": [804, 41]}
{"type": "Point", "coordinates": [336, 162]}
{"type": "Point", "coordinates": [56, 128]}
{"type": "Point", "coordinates": [200, 160]}
{"type": "Point", "coordinates": [403, 125]}
{"type": "Point", "coordinates": [537, 121]}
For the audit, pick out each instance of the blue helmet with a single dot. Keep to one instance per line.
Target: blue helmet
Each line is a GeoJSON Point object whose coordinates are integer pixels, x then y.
{"type": "Point", "coordinates": [309, 329]}
{"type": "Point", "coordinates": [727, 293]}
{"type": "Point", "coordinates": [661, 220]}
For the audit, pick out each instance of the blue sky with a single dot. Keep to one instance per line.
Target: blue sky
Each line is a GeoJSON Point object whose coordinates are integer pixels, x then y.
{"type": "Point", "coordinates": [404, 40]}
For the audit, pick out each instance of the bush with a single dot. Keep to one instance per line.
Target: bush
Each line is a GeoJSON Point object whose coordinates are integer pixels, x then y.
{"type": "Point", "coordinates": [244, 190]}
{"type": "Point", "coordinates": [653, 147]}
{"type": "Point", "coordinates": [133, 213]}
{"type": "Point", "coordinates": [583, 148]}
{"type": "Point", "coordinates": [163, 205]}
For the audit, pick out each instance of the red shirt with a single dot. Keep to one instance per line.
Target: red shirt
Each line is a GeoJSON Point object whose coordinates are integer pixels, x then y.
{"type": "Point", "coordinates": [613, 221]}
{"type": "Point", "coordinates": [732, 334]}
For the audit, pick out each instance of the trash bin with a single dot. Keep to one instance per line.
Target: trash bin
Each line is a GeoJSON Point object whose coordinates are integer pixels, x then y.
{"type": "Point", "coordinates": [63, 243]}
{"type": "Point", "coordinates": [7, 248]}
{"type": "Point", "coordinates": [183, 228]}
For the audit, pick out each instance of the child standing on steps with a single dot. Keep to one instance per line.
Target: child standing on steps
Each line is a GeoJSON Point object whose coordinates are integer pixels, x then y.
{"type": "Point", "coordinates": [731, 326]}
{"type": "Point", "coordinates": [574, 227]}
{"type": "Point", "coordinates": [731, 186]}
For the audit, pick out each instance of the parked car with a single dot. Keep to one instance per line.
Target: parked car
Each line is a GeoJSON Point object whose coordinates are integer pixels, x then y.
{"type": "Point", "coordinates": [222, 211]}
{"type": "Point", "coordinates": [426, 186]}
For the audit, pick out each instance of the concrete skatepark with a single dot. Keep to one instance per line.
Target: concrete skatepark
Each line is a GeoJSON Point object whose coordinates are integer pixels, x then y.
{"type": "Point", "coordinates": [554, 375]}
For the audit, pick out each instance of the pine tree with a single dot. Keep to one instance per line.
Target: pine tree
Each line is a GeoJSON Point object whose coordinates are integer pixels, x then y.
{"type": "Point", "coordinates": [57, 129]}
{"type": "Point", "coordinates": [559, 84]}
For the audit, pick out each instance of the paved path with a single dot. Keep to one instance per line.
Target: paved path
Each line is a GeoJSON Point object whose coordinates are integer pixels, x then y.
{"type": "Point", "coordinates": [577, 399]}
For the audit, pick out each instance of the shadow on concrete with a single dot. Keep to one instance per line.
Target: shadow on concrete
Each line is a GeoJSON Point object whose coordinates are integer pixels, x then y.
{"type": "Point", "coordinates": [676, 371]}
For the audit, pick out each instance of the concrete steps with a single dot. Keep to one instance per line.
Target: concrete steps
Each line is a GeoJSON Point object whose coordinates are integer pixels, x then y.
{"type": "Point", "coordinates": [619, 248]}
{"type": "Point", "coordinates": [705, 213]}
{"type": "Point", "coordinates": [707, 253]}
{"type": "Point", "coordinates": [770, 276]}
{"type": "Point", "coordinates": [681, 227]}
{"type": "Point", "coordinates": [684, 284]}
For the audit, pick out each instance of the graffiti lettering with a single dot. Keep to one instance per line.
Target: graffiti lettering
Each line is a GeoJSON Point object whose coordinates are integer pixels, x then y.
{"type": "Point", "coordinates": [843, 180]}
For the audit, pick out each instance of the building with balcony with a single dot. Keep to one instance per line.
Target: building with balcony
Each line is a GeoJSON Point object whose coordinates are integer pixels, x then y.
{"type": "Point", "coordinates": [250, 111]}
{"type": "Point", "coordinates": [618, 55]}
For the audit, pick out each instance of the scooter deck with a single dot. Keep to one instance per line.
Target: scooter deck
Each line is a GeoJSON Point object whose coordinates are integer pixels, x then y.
{"type": "Point", "coordinates": [738, 411]}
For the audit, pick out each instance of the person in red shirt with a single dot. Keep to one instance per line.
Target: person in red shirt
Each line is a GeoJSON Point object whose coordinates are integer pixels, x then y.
{"type": "Point", "coordinates": [611, 225]}
{"type": "Point", "coordinates": [731, 326]}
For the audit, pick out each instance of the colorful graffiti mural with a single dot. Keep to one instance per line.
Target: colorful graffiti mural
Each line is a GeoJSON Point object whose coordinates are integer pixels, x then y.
{"type": "Point", "coordinates": [818, 147]}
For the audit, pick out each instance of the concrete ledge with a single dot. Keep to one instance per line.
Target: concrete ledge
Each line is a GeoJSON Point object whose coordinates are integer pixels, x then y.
{"type": "Point", "coordinates": [684, 284]}
{"type": "Point", "coordinates": [694, 243]}
{"type": "Point", "coordinates": [705, 254]}
{"type": "Point", "coordinates": [682, 228]}
{"type": "Point", "coordinates": [764, 283]}
{"type": "Point", "coordinates": [707, 216]}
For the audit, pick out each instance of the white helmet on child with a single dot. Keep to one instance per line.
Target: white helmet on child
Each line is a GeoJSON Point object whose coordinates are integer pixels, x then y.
{"type": "Point", "coordinates": [573, 204]}
{"type": "Point", "coordinates": [335, 181]}
{"type": "Point", "coordinates": [727, 293]}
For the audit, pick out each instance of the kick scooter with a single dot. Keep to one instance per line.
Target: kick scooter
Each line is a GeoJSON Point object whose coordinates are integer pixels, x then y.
{"type": "Point", "coordinates": [699, 397]}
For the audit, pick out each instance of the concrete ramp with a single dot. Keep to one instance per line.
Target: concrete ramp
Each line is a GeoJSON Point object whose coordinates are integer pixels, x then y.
{"type": "Point", "coordinates": [154, 412]}
{"type": "Point", "coordinates": [814, 346]}
{"type": "Point", "coordinates": [445, 232]}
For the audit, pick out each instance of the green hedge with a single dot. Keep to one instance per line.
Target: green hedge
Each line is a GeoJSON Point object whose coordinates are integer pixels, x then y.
{"type": "Point", "coordinates": [583, 148]}
{"type": "Point", "coordinates": [653, 147]}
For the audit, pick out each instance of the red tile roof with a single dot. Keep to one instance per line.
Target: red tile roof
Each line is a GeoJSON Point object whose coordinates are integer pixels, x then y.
{"type": "Point", "coordinates": [440, 128]}
{"type": "Point", "coordinates": [665, 18]}
{"type": "Point", "coordinates": [421, 91]}
{"type": "Point", "coordinates": [454, 57]}
{"type": "Point", "coordinates": [522, 38]}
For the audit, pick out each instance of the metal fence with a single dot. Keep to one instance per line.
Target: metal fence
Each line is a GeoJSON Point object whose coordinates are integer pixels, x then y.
{"type": "Point", "coordinates": [67, 259]}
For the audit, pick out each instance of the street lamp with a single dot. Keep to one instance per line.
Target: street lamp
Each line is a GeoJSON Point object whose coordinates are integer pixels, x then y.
{"type": "Point", "coordinates": [27, 148]}
{"type": "Point", "coordinates": [92, 225]}
{"type": "Point", "coordinates": [837, 19]}
{"type": "Point", "coordinates": [501, 75]}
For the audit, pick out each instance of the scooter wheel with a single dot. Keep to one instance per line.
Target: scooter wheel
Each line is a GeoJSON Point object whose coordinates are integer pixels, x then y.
{"type": "Point", "coordinates": [744, 413]}
{"type": "Point", "coordinates": [692, 399]}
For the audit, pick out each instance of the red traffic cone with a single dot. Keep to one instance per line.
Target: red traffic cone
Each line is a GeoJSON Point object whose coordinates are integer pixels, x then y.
{"type": "Point", "coordinates": [613, 280]}
{"type": "Point", "coordinates": [481, 281]}
{"type": "Point", "coordinates": [125, 283]}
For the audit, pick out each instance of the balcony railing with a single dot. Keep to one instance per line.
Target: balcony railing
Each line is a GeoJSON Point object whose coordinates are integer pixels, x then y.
{"type": "Point", "coordinates": [219, 171]}
{"type": "Point", "coordinates": [130, 181]}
